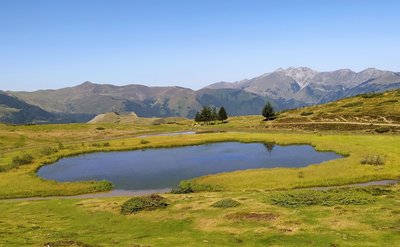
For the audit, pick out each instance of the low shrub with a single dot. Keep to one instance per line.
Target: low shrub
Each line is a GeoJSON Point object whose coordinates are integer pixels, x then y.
{"type": "Point", "coordinates": [48, 150]}
{"type": "Point", "coordinates": [188, 186]}
{"type": "Point", "coordinates": [22, 160]}
{"type": "Point", "coordinates": [342, 196]}
{"type": "Point", "coordinates": [143, 141]}
{"type": "Point", "coordinates": [60, 146]}
{"type": "Point", "coordinates": [371, 95]}
{"type": "Point", "coordinates": [141, 203]}
{"type": "Point", "coordinates": [100, 128]}
{"type": "Point", "coordinates": [376, 160]}
{"type": "Point", "coordinates": [99, 145]}
{"type": "Point", "coordinates": [389, 101]}
{"type": "Point", "coordinates": [183, 188]}
{"type": "Point", "coordinates": [226, 203]}
{"type": "Point", "coordinates": [159, 121]}
{"type": "Point", "coordinates": [306, 113]}
{"type": "Point", "coordinates": [382, 129]}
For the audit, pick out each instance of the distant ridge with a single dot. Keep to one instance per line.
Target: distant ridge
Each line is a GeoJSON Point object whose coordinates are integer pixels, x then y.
{"type": "Point", "coordinates": [285, 88]}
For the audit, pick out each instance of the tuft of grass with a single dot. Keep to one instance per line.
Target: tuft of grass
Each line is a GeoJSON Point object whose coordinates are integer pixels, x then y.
{"type": "Point", "coordinates": [226, 203]}
{"type": "Point", "coordinates": [141, 203]}
{"type": "Point", "coordinates": [48, 150]}
{"type": "Point", "coordinates": [60, 146]}
{"type": "Point", "coordinates": [143, 141]}
{"type": "Point", "coordinates": [98, 145]}
{"type": "Point", "coordinates": [376, 160]}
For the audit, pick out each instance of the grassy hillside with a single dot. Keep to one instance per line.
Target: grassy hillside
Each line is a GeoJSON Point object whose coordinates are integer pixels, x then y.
{"type": "Point", "coordinates": [133, 119]}
{"type": "Point", "coordinates": [366, 108]}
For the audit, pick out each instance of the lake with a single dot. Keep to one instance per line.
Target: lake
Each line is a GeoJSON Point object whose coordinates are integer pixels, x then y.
{"type": "Point", "coordinates": [165, 167]}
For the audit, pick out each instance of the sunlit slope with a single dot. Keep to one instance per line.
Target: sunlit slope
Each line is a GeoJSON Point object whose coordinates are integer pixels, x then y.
{"type": "Point", "coordinates": [366, 108]}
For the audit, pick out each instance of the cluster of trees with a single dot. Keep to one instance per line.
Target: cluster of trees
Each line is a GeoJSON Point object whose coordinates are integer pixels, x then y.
{"type": "Point", "coordinates": [208, 115]}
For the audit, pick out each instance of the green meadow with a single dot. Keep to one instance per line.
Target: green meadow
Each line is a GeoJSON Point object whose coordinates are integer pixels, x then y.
{"type": "Point", "coordinates": [260, 207]}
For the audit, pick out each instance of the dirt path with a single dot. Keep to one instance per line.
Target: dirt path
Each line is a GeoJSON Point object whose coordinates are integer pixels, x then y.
{"type": "Point", "coordinates": [112, 193]}
{"type": "Point", "coordinates": [344, 123]}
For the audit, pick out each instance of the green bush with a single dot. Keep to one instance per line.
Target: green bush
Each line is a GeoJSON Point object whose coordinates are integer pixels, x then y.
{"type": "Point", "coordinates": [140, 203]}
{"type": "Point", "coordinates": [100, 128]}
{"type": "Point", "coordinates": [226, 203]}
{"type": "Point", "coordinates": [22, 160]}
{"type": "Point", "coordinates": [382, 129]}
{"type": "Point", "coordinates": [183, 188]}
{"type": "Point", "coordinates": [342, 196]}
{"type": "Point", "coordinates": [377, 160]}
{"type": "Point", "coordinates": [188, 186]}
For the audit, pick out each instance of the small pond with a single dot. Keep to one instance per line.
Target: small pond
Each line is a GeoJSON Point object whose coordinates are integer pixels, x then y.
{"type": "Point", "coordinates": [166, 167]}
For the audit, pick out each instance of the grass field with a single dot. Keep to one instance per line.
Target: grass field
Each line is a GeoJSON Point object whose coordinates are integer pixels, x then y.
{"type": "Point", "coordinates": [190, 220]}
{"type": "Point", "coordinates": [274, 208]}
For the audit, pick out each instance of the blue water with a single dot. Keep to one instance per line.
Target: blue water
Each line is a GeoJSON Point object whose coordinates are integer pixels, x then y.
{"type": "Point", "coordinates": [165, 167]}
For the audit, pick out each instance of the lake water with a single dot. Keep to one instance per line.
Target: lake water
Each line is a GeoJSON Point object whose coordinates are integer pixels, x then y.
{"type": "Point", "coordinates": [165, 167]}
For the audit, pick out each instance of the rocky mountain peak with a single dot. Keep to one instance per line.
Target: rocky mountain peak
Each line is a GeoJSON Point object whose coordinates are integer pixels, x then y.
{"type": "Point", "coordinates": [373, 73]}
{"type": "Point", "coordinates": [302, 75]}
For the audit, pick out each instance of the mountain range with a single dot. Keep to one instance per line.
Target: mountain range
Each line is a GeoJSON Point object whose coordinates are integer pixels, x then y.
{"type": "Point", "coordinates": [284, 88]}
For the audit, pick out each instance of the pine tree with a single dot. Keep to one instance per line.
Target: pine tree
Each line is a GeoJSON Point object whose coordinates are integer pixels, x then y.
{"type": "Point", "coordinates": [198, 118]}
{"type": "Point", "coordinates": [214, 114]}
{"type": "Point", "coordinates": [206, 114]}
{"type": "Point", "coordinates": [222, 115]}
{"type": "Point", "coordinates": [268, 111]}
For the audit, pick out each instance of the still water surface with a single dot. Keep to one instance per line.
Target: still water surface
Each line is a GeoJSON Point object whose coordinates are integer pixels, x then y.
{"type": "Point", "coordinates": [165, 167]}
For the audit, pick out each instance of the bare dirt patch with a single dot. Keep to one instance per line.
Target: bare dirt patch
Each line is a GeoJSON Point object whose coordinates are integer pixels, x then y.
{"type": "Point", "coordinates": [252, 216]}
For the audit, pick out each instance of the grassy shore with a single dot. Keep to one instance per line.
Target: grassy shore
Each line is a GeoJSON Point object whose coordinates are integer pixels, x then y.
{"type": "Point", "coordinates": [335, 172]}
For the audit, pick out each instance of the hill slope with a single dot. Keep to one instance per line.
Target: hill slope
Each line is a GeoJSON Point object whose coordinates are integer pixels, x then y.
{"type": "Point", "coordinates": [16, 111]}
{"type": "Point", "coordinates": [366, 108]}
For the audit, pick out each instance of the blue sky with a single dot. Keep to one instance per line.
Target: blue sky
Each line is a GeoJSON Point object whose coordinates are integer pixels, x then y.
{"type": "Point", "coordinates": [54, 44]}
